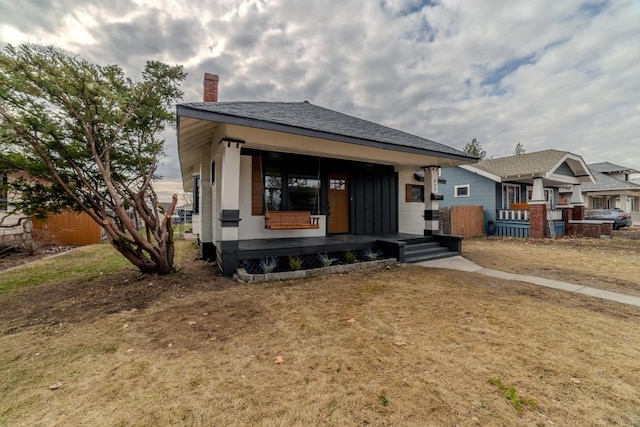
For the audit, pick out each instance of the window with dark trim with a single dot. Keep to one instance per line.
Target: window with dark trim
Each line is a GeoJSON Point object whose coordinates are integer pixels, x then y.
{"type": "Point", "coordinates": [196, 194]}
{"type": "Point", "coordinates": [414, 193]}
{"type": "Point", "coordinates": [285, 183]}
{"type": "Point", "coordinates": [462, 190]}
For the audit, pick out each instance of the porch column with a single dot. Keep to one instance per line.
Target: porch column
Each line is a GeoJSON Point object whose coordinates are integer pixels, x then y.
{"type": "Point", "coordinates": [431, 197]}
{"type": "Point", "coordinates": [229, 215]}
{"type": "Point", "coordinates": [577, 200]}
{"type": "Point", "coordinates": [623, 201]}
{"type": "Point", "coordinates": [537, 211]}
{"type": "Point", "coordinates": [207, 248]}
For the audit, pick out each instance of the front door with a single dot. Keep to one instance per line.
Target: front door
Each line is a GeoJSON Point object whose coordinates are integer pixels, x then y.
{"type": "Point", "coordinates": [338, 203]}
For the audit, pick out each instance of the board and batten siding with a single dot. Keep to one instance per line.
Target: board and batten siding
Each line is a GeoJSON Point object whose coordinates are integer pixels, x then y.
{"type": "Point", "coordinates": [482, 191]}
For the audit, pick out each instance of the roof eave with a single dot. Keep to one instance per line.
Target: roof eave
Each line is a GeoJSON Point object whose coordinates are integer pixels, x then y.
{"type": "Point", "coordinates": [186, 111]}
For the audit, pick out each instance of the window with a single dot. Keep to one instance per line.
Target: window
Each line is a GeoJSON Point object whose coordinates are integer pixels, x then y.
{"type": "Point", "coordinates": [286, 183]}
{"type": "Point", "coordinates": [3, 192]}
{"type": "Point", "coordinates": [303, 191]}
{"type": "Point", "coordinates": [597, 202]}
{"type": "Point", "coordinates": [510, 195]}
{"type": "Point", "coordinates": [415, 193]}
{"type": "Point", "coordinates": [462, 190]}
{"type": "Point", "coordinates": [213, 173]}
{"type": "Point", "coordinates": [548, 196]}
{"type": "Point", "coordinates": [337, 184]}
{"type": "Point", "coordinates": [196, 194]}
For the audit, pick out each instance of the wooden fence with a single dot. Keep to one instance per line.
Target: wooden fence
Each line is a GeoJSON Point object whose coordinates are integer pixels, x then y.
{"type": "Point", "coordinates": [67, 228]}
{"type": "Point", "coordinates": [466, 221]}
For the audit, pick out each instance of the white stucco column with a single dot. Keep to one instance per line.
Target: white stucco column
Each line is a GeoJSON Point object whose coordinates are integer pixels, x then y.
{"type": "Point", "coordinates": [217, 196]}
{"type": "Point", "coordinates": [206, 213]}
{"type": "Point", "coordinates": [431, 195]}
{"type": "Point", "coordinates": [229, 213]}
{"type": "Point", "coordinates": [576, 196]}
{"type": "Point", "coordinates": [623, 201]}
{"type": "Point", "coordinates": [537, 195]}
{"type": "Point", "coordinates": [229, 208]}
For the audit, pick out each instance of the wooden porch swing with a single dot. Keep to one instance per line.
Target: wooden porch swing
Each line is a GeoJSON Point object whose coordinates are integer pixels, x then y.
{"type": "Point", "coordinates": [289, 220]}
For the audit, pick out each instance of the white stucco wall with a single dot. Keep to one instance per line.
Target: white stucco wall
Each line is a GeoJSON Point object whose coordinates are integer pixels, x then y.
{"type": "Point", "coordinates": [409, 214]}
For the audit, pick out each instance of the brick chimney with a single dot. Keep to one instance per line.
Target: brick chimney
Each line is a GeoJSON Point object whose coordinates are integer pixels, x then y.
{"type": "Point", "coordinates": [210, 87]}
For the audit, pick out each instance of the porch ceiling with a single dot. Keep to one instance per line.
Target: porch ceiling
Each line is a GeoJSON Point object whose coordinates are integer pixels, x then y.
{"type": "Point", "coordinates": [192, 135]}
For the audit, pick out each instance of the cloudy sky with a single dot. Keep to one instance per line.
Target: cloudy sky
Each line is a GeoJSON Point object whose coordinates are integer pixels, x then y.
{"type": "Point", "coordinates": [545, 73]}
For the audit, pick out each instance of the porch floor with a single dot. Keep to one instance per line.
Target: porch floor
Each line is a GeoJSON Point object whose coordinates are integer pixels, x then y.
{"type": "Point", "coordinates": [256, 248]}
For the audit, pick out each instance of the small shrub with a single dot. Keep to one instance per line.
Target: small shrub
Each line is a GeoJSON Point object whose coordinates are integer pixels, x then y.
{"type": "Point", "coordinates": [326, 260]}
{"type": "Point", "coordinates": [350, 257]}
{"type": "Point", "coordinates": [295, 263]}
{"type": "Point", "coordinates": [370, 255]}
{"type": "Point", "coordinates": [509, 392]}
{"type": "Point", "coordinates": [383, 399]}
{"type": "Point", "coordinates": [268, 264]}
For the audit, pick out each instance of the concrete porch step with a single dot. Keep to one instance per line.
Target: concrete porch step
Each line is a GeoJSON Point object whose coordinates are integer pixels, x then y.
{"type": "Point", "coordinates": [430, 255]}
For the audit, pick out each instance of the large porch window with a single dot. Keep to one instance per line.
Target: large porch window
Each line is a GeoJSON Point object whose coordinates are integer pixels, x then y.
{"type": "Point", "coordinates": [510, 195]}
{"type": "Point", "coordinates": [288, 184]}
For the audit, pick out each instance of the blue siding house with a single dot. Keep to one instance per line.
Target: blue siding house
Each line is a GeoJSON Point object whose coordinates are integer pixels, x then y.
{"type": "Point", "coordinates": [507, 188]}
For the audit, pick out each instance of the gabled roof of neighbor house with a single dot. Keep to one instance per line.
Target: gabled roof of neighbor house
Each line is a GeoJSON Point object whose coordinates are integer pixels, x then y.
{"type": "Point", "coordinates": [606, 167]}
{"type": "Point", "coordinates": [525, 167]}
{"type": "Point", "coordinates": [605, 182]}
{"type": "Point", "coordinates": [304, 118]}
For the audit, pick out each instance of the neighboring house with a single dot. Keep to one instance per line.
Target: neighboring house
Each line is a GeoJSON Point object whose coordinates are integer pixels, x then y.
{"type": "Point", "coordinates": [184, 212]}
{"type": "Point", "coordinates": [613, 189]}
{"type": "Point", "coordinates": [508, 188]}
{"type": "Point", "coordinates": [13, 226]}
{"type": "Point", "coordinates": [349, 182]}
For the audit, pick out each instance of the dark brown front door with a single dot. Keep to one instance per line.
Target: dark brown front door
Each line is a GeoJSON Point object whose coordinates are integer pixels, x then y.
{"type": "Point", "coordinates": [338, 203]}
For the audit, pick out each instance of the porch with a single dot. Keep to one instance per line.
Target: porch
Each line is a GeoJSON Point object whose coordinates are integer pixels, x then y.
{"type": "Point", "coordinates": [515, 223]}
{"type": "Point", "coordinates": [404, 247]}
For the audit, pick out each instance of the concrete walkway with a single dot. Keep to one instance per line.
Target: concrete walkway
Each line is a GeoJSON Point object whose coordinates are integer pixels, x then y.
{"type": "Point", "coordinates": [462, 264]}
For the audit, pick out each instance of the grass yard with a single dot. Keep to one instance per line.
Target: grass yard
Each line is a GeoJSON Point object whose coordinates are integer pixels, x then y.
{"type": "Point", "coordinates": [405, 346]}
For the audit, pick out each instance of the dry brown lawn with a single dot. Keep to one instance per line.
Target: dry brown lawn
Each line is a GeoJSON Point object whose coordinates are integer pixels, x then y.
{"type": "Point", "coordinates": [611, 264]}
{"type": "Point", "coordinates": [406, 346]}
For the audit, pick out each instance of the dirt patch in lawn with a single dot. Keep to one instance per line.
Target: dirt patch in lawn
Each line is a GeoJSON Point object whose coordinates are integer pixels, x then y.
{"type": "Point", "coordinates": [611, 264]}
{"type": "Point", "coordinates": [405, 346]}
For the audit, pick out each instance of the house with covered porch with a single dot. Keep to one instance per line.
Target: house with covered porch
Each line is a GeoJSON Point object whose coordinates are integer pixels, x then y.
{"type": "Point", "coordinates": [520, 194]}
{"type": "Point", "coordinates": [612, 189]}
{"type": "Point", "coordinates": [272, 179]}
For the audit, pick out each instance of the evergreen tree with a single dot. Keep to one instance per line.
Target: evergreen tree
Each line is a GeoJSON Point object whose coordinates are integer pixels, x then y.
{"type": "Point", "coordinates": [474, 148]}
{"type": "Point", "coordinates": [87, 138]}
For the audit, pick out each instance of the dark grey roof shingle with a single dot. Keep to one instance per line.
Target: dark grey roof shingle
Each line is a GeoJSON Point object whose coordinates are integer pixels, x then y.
{"type": "Point", "coordinates": [606, 167]}
{"type": "Point", "coordinates": [605, 182]}
{"type": "Point", "coordinates": [308, 117]}
{"type": "Point", "coordinates": [535, 163]}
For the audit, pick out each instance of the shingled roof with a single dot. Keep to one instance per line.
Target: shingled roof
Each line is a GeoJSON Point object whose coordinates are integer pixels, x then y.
{"type": "Point", "coordinates": [605, 182]}
{"type": "Point", "coordinates": [606, 167]}
{"type": "Point", "coordinates": [555, 166]}
{"type": "Point", "coordinates": [529, 164]}
{"type": "Point", "coordinates": [304, 118]}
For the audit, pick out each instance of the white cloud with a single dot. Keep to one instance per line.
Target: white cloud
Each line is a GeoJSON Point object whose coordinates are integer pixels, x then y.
{"type": "Point", "coordinates": [547, 74]}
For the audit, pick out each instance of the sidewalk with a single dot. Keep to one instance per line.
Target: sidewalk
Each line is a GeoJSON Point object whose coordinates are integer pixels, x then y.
{"type": "Point", "coordinates": [462, 264]}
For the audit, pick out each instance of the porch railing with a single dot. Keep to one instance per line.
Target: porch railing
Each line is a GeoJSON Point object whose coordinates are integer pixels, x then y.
{"type": "Point", "coordinates": [523, 215]}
